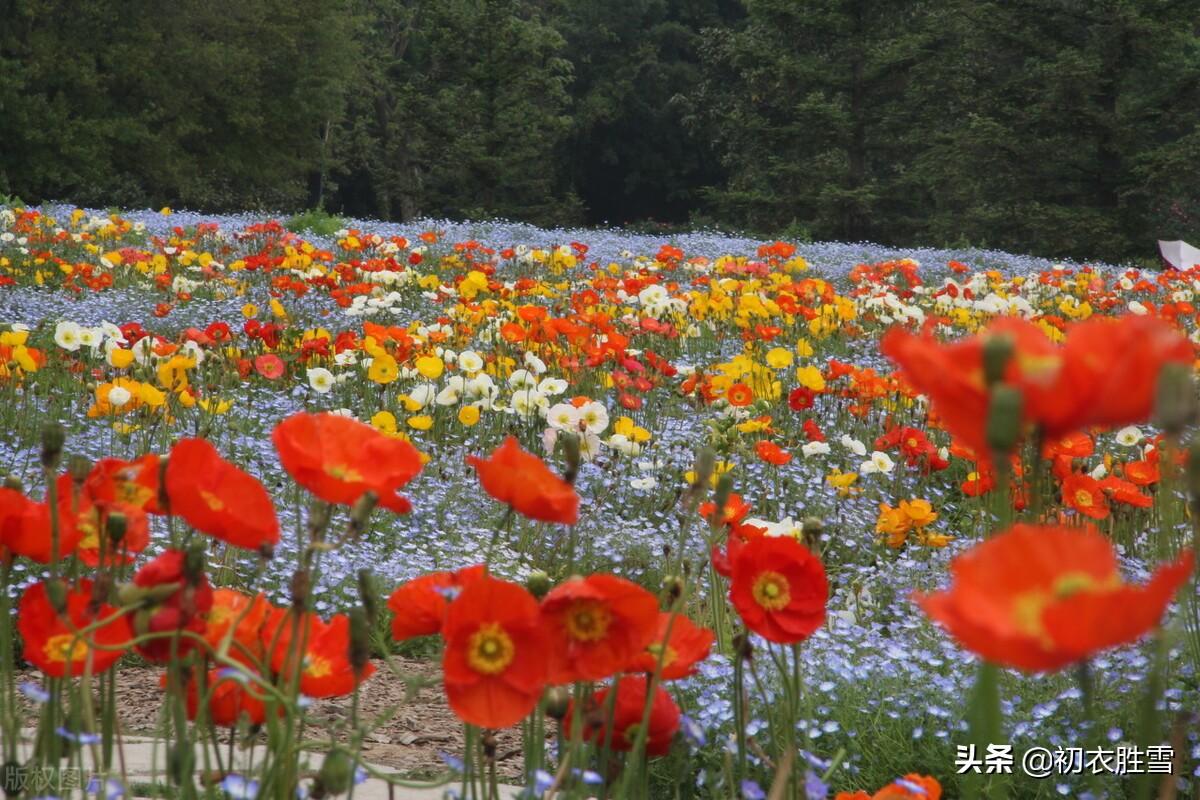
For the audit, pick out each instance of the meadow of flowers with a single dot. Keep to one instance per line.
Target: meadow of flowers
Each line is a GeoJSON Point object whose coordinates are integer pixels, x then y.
{"type": "Point", "coordinates": [702, 518]}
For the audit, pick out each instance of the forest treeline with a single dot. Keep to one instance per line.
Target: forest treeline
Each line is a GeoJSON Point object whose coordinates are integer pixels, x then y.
{"type": "Point", "coordinates": [1059, 127]}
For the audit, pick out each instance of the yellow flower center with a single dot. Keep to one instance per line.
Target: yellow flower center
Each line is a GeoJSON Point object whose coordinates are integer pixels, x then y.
{"type": "Point", "coordinates": [317, 667]}
{"type": "Point", "coordinates": [1083, 498]}
{"type": "Point", "coordinates": [771, 591]}
{"type": "Point", "coordinates": [588, 621]}
{"type": "Point", "coordinates": [668, 654]}
{"type": "Point", "coordinates": [490, 650]}
{"type": "Point", "coordinates": [65, 647]}
{"type": "Point", "coordinates": [212, 500]}
{"type": "Point", "coordinates": [343, 473]}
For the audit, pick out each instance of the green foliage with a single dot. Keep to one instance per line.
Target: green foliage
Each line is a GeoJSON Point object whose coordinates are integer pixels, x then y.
{"type": "Point", "coordinates": [1061, 127]}
{"type": "Point", "coordinates": [315, 221]}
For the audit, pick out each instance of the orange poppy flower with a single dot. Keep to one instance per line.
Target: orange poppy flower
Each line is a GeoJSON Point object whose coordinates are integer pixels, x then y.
{"type": "Point", "coordinates": [739, 395]}
{"type": "Point", "coordinates": [596, 625]}
{"type": "Point", "coordinates": [51, 641]}
{"type": "Point", "coordinates": [772, 453]}
{"type": "Point", "coordinates": [779, 588]}
{"type": "Point", "coordinates": [523, 481]}
{"type": "Point", "coordinates": [339, 459]}
{"type": "Point", "coordinates": [734, 511]}
{"type": "Point", "coordinates": [494, 665]}
{"type": "Point", "coordinates": [245, 614]}
{"type": "Point", "coordinates": [217, 498]}
{"type": "Point", "coordinates": [1042, 597]}
{"type": "Point", "coordinates": [686, 646]}
{"type": "Point", "coordinates": [419, 606]}
{"type": "Point", "coordinates": [1084, 494]}
{"type": "Point", "coordinates": [1123, 491]}
{"type": "Point", "coordinates": [325, 668]}
{"type": "Point", "coordinates": [184, 609]}
{"type": "Point", "coordinates": [910, 787]}
{"type": "Point", "coordinates": [1142, 473]}
{"type": "Point", "coordinates": [627, 710]}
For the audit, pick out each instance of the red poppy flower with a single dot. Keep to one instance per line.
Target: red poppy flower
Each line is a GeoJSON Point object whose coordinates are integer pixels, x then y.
{"type": "Point", "coordinates": [52, 643]}
{"type": "Point", "coordinates": [217, 498]}
{"type": "Point", "coordinates": [270, 366]}
{"type": "Point", "coordinates": [739, 534]}
{"type": "Point", "coordinates": [1142, 473]}
{"type": "Point", "coordinates": [523, 481]}
{"type": "Point", "coordinates": [1042, 597]}
{"type": "Point", "coordinates": [779, 589]}
{"type": "Point", "coordinates": [25, 525]}
{"type": "Point", "coordinates": [1122, 491]}
{"type": "Point", "coordinates": [734, 512]}
{"type": "Point", "coordinates": [245, 615]}
{"type": "Point", "coordinates": [628, 709]}
{"type": "Point", "coordinates": [339, 459]}
{"type": "Point", "coordinates": [680, 650]}
{"type": "Point", "coordinates": [494, 665]}
{"type": "Point", "coordinates": [419, 606]}
{"type": "Point", "coordinates": [812, 431]}
{"type": "Point", "coordinates": [772, 453]}
{"type": "Point", "coordinates": [92, 520]}
{"type": "Point", "coordinates": [231, 699]}
{"type": "Point", "coordinates": [596, 625]}
{"type": "Point", "coordinates": [910, 787]}
{"type": "Point", "coordinates": [325, 668]}
{"type": "Point", "coordinates": [1084, 494]}
{"type": "Point", "coordinates": [184, 609]}
{"type": "Point", "coordinates": [801, 398]}
{"type": "Point", "coordinates": [134, 483]}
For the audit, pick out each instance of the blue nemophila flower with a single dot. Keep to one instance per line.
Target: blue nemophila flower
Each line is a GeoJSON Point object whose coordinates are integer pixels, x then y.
{"type": "Point", "coordinates": [752, 791]}
{"type": "Point", "coordinates": [692, 731]}
{"type": "Point", "coordinates": [34, 692]}
{"type": "Point", "coordinates": [238, 788]}
{"type": "Point", "coordinates": [588, 776]}
{"type": "Point", "coordinates": [542, 781]}
{"type": "Point", "coordinates": [109, 788]}
{"type": "Point", "coordinates": [78, 738]}
{"type": "Point", "coordinates": [814, 787]}
{"type": "Point", "coordinates": [453, 762]}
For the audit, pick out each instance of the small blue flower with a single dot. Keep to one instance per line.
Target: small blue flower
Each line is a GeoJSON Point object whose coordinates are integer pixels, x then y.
{"type": "Point", "coordinates": [588, 776]}
{"type": "Point", "coordinates": [752, 791]}
{"type": "Point", "coordinates": [814, 787]}
{"type": "Point", "coordinates": [692, 731]}
{"type": "Point", "coordinates": [111, 788]}
{"type": "Point", "coordinates": [78, 738]}
{"type": "Point", "coordinates": [909, 786]}
{"type": "Point", "coordinates": [542, 781]}
{"type": "Point", "coordinates": [453, 762]}
{"type": "Point", "coordinates": [34, 692]}
{"type": "Point", "coordinates": [238, 788]}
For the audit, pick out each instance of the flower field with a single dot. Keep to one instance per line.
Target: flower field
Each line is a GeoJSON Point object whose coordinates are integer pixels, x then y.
{"type": "Point", "coordinates": [708, 517]}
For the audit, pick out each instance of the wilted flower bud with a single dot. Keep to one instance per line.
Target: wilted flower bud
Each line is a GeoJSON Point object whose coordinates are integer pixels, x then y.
{"type": "Point", "coordinates": [558, 702]}
{"type": "Point", "coordinates": [742, 647]}
{"type": "Point", "coordinates": [301, 584]}
{"type": "Point", "coordinates": [1004, 419]}
{"type": "Point", "coordinates": [997, 350]}
{"type": "Point", "coordinates": [53, 439]}
{"type": "Point", "coordinates": [673, 587]}
{"type": "Point", "coordinates": [78, 467]}
{"type": "Point", "coordinates": [193, 563]}
{"type": "Point", "coordinates": [538, 583]}
{"type": "Point", "coordinates": [359, 652]}
{"type": "Point", "coordinates": [1175, 399]}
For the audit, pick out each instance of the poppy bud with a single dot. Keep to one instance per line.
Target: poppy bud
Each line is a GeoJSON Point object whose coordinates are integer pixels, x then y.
{"type": "Point", "coordinates": [558, 702]}
{"type": "Point", "coordinates": [811, 530]}
{"type": "Point", "coordinates": [78, 467]}
{"type": "Point", "coordinates": [573, 454]}
{"type": "Point", "coordinates": [742, 647]}
{"type": "Point", "coordinates": [164, 500]}
{"type": "Point", "coordinates": [721, 497]}
{"type": "Point", "coordinates": [1004, 419]}
{"type": "Point", "coordinates": [997, 350]}
{"type": "Point", "coordinates": [101, 589]}
{"type": "Point", "coordinates": [128, 594]}
{"type": "Point", "coordinates": [301, 583]}
{"type": "Point", "coordinates": [53, 439]}
{"type": "Point", "coordinates": [115, 527]}
{"type": "Point", "coordinates": [362, 511]}
{"type": "Point", "coordinates": [359, 652]}
{"type": "Point", "coordinates": [56, 593]}
{"type": "Point", "coordinates": [368, 594]}
{"type": "Point", "coordinates": [337, 772]}
{"type": "Point", "coordinates": [318, 516]}
{"type": "Point", "coordinates": [538, 583]}
{"type": "Point", "coordinates": [673, 587]}
{"type": "Point", "coordinates": [1175, 399]}
{"type": "Point", "coordinates": [13, 482]}
{"type": "Point", "coordinates": [705, 463]}
{"type": "Point", "coordinates": [193, 563]}
{"type": "Point", "coordinates": [488, 740]}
